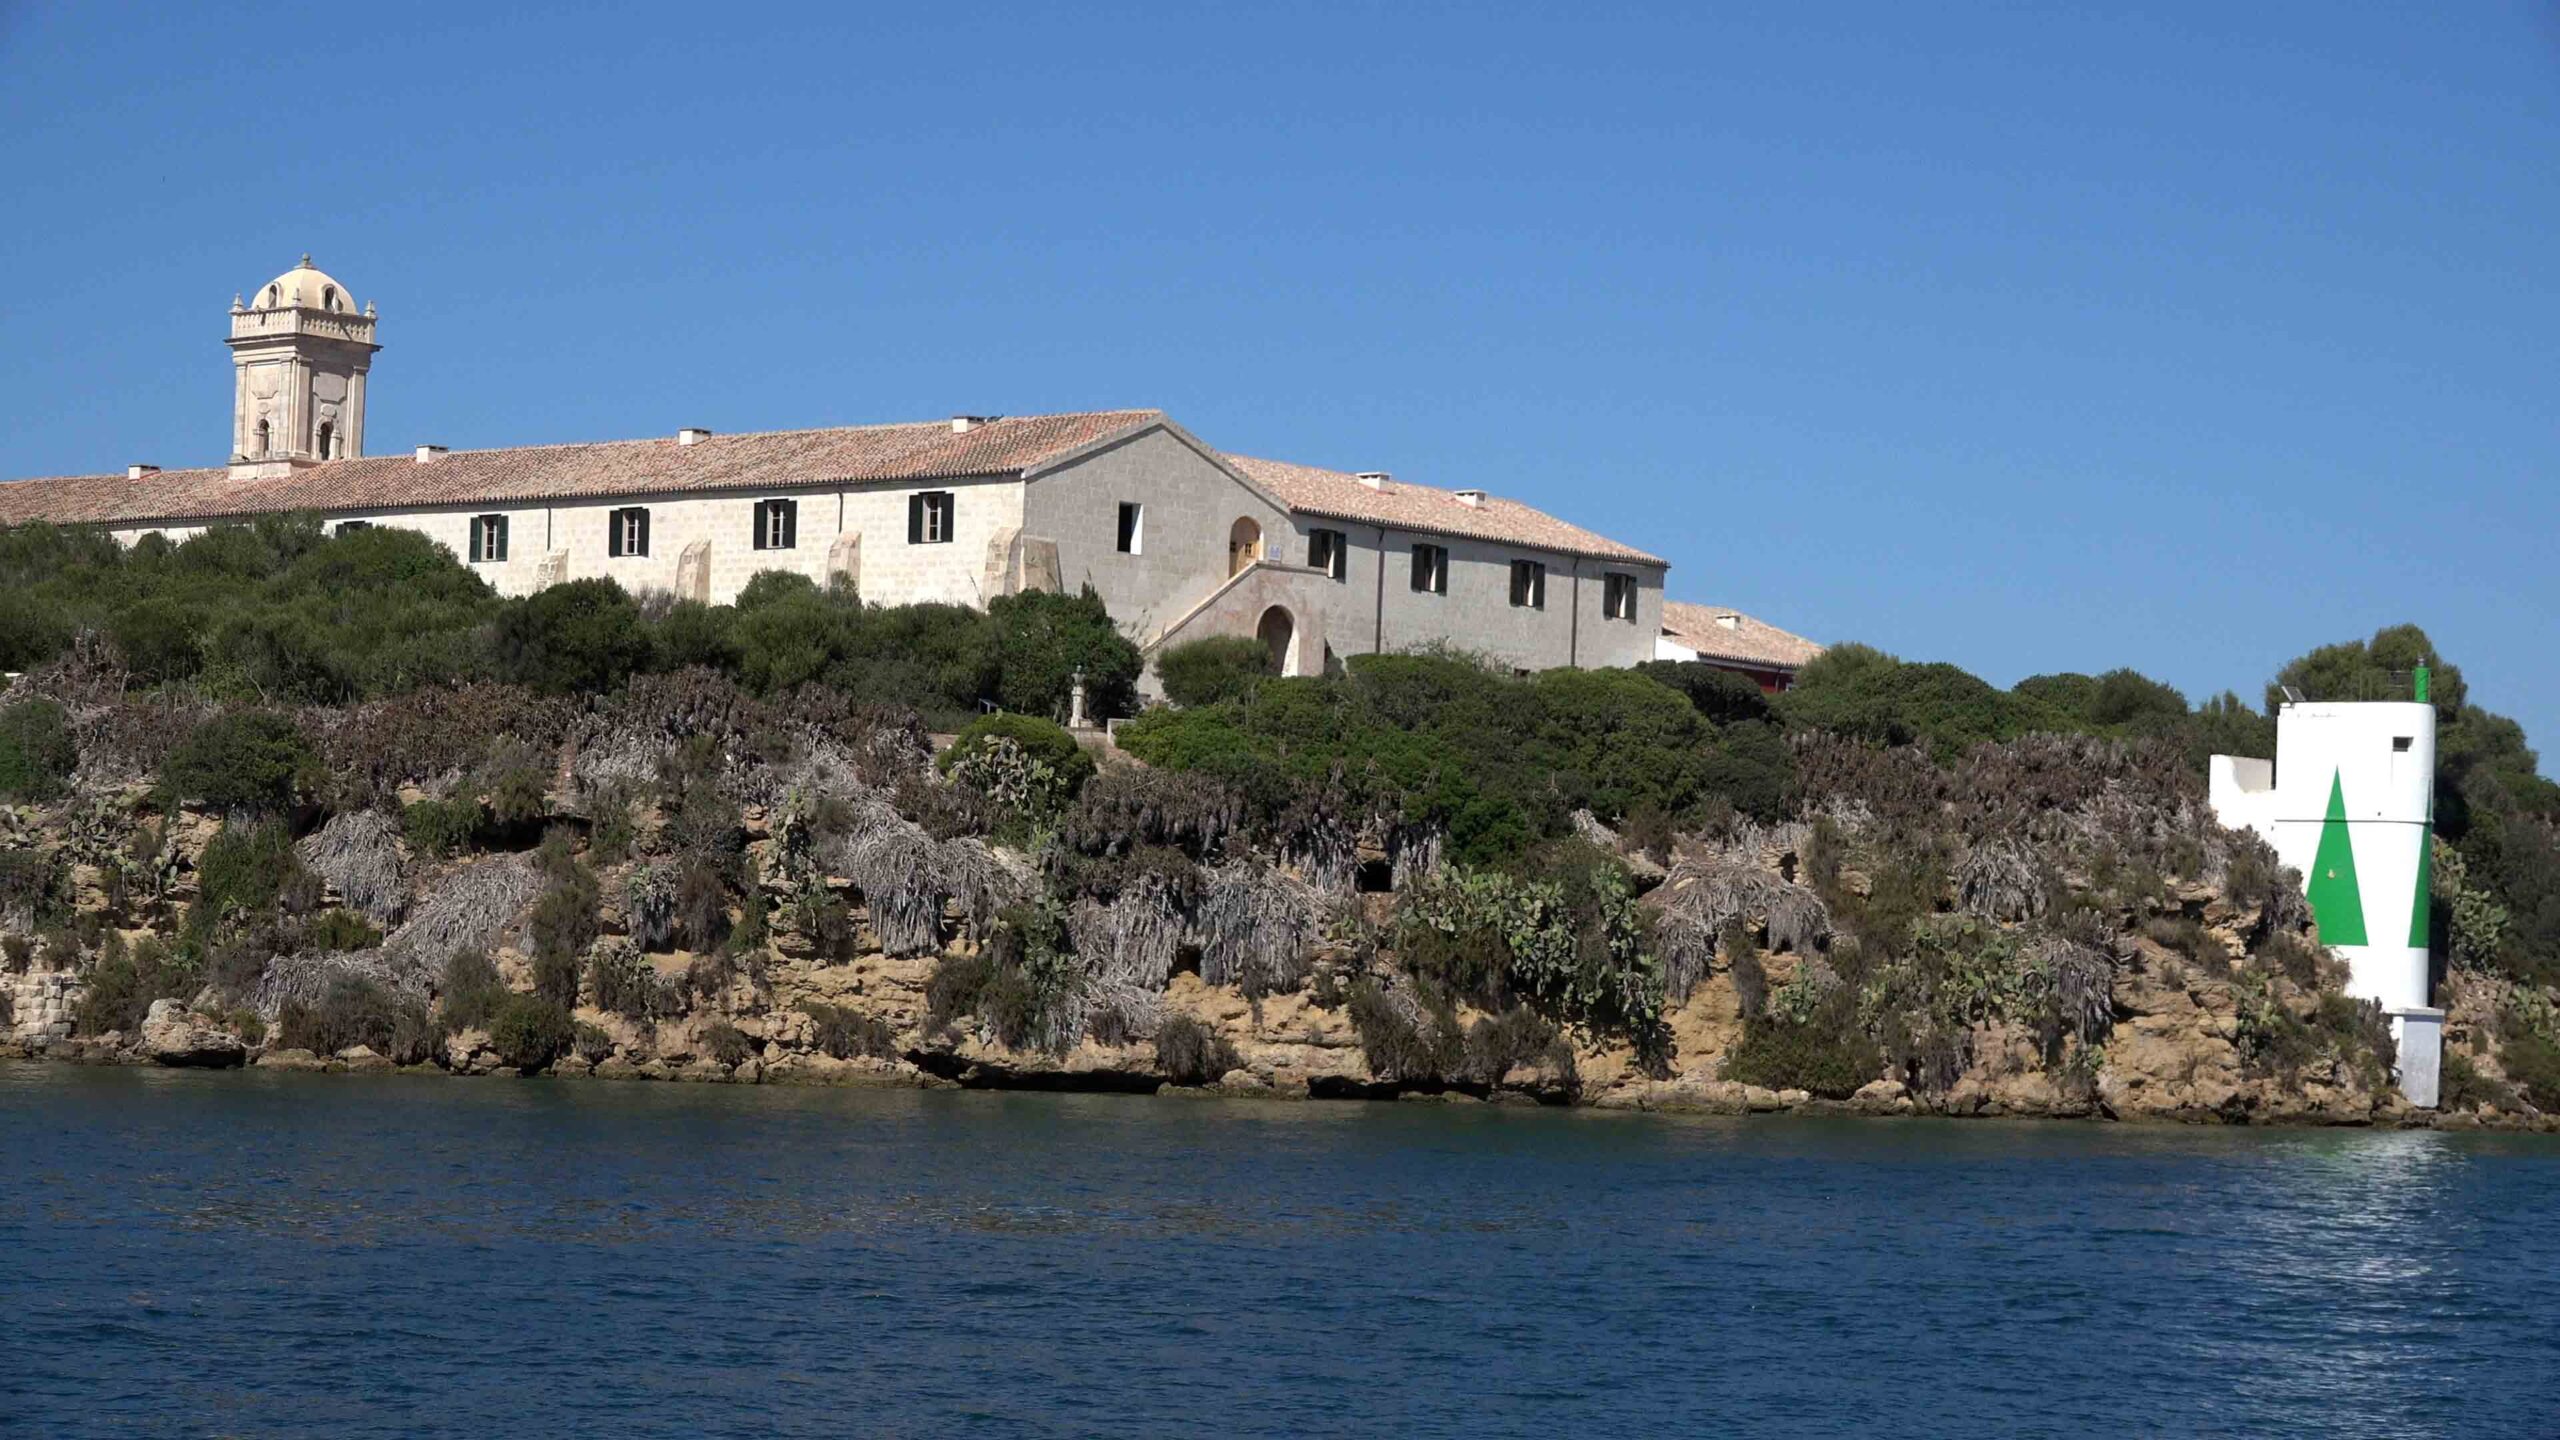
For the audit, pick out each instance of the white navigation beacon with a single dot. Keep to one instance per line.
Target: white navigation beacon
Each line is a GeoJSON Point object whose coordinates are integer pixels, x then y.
{"type": "Point", "coordinates": [2349, 802]}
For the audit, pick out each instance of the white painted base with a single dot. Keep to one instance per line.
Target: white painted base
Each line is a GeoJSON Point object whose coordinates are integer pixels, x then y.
{"type": "Point", "coordinates": [2419, 1032]}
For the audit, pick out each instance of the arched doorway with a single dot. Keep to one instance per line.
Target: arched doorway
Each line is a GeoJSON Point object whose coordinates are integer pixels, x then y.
{"type": "Point", "coordinates": [1244, 544]}
{"type": "Point", "coordinates": [1278, 633]}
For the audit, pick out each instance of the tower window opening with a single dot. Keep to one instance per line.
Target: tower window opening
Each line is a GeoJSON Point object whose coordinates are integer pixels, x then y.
{"type": "Point", "coordinates": [273, 295]}
{"type": "Point", "coordinates": [328, 297]}
{"type": "Point", "coordinates": [328, 436]}
{"type": "Point", "coordinates": [264, 441]}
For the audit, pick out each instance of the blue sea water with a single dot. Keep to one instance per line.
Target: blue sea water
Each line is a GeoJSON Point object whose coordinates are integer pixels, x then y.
{"type": "Point", "coordinates": [280, 1255]}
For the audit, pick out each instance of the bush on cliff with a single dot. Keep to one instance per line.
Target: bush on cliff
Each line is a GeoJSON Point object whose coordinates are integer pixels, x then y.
{"type": "Point", "coordinates": [1190, 1053]}
{"type": "Point", "coordinates": [583, 637]}
{"type": "Point", "coordinates": [843, 1034]}
{"type": "Point", "coordinates": [470, 992]}
{"type": "Point", "coordinates": [37, 753]}
{"type": "Point", "coordinates": [125, 979]}
{"type": "Point", "coordinates": [1213, 669]}
{"type": "Point", "coordinates": [356, 1011]}
{"type": "Point", "coordinates": [2533, 1063]}
{"type": "Point", "coordinates": [529, 1032]}
{"type": "Point", "coordinates": [1826, 1055]}
{"type": "Point", "coordinates": [253, 761]}
{"type": "Point", "coordinates": [1044, 639]}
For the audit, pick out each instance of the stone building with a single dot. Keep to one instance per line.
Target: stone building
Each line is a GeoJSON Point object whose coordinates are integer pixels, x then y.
{"type": "Point", "coordinates": [1180, 539]}
{"type": "Point", "coordinates": [1730, 640]}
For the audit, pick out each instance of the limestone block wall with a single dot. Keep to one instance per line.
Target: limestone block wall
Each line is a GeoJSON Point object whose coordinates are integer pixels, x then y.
{"type": "Point", "coordinates": [893, 571]}
{"type": "Point", "coordinates": [1477, 614]}
{"type": "Point", "coordinates": [1191, 505]}
{"type": "Point", "coordinates": [40, 1004]}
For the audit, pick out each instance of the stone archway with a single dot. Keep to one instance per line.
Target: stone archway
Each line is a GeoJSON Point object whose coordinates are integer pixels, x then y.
{"type": "Point", "coordinates": [1244, 544]}
{"type": "Point", "coordinates": [1278, 632]}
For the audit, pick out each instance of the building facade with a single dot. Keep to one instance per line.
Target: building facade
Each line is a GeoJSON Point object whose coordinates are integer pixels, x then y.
{"type": "Point", "coordinates": [1179, 539]}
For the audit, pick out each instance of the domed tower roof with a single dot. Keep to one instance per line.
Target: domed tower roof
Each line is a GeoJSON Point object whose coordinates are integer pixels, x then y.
{"type": "Point", "coordinates": [304, 287]}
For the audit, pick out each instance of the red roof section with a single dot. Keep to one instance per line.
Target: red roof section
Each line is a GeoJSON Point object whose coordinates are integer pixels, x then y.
{"type": "Point", "coordinates": [1404, 506]}
{"type": "Point", "coordinates": [770, 460]}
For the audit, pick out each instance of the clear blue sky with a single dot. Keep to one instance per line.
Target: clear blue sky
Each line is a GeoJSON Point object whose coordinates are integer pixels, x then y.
{"type": "Point", "coordinates": [2025, 338]}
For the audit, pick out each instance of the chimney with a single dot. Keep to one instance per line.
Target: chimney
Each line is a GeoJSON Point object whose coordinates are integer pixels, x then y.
{"type": "Point", "coordinates": [136, 472]}
{"type": "Point", "coordinates": [1472, 499]}
{"type": "Point", "coordinates": [430, 454]}
{"type": "Point", "coordinates": [963, 424]}
{"type": "Point", "coordinates": [1374, 479]}
{"type": "Point", "coordinates": [1729, 620]}
{"type": "Point", "coordinates": [692, 435]}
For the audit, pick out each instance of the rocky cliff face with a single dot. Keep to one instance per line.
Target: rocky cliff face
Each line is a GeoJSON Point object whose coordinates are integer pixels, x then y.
{"type": "Point", "coordinates": [2041, 939]}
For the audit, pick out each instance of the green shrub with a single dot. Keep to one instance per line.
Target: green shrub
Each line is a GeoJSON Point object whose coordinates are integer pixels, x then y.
{"type": "Point", "coordinates": [248, 760]}
{"type": "Point", "coordinates": [1826, 1055]}
{"type": "Point", "coordinates": [1190, 1053]}
{"type": "Point", "coordinates": [1520, 1036]}
{"type": "Point", "coordinates": [563, 923]}
{"type": "Point", "coordinates": [340, 930]}
{"type": "Point", "coordinates": [1406, 1039]}
{"type": "Point", "coordinates": [252, 870]}
{"type": "Point", "coordinates": [158, 640]}
{"type": "Point", "coordinates": [31, 883]}
{"type": "Point", "coordinates": [592, 1044]}
{"type": "Point", "coordinates": [1044, 638]}
{"type": "Point", "coordinates": [958, 985]}
{"type": "Point", "coordinates": [624, 982]}
{"type": "Point", "coordinates": [2533, 1063]}
{"type": "Point", "coordinates": [1064, 765]}
{"type": "Point", "coordinates": [583, 637]}
{"type": "Point", "coordinates": [843, 1034]}
{"type": "Point", "coordinates": [124, 980]}
{"type": "Point", "coordinates": [726, 1044]}
{"type": "Point", "coordinates": [356, 1011]}
{"type": "Point", "coordinates": [1720, 695]}
{"type": "Point", "coordinates": [1862, 692]}
{"type": "Point", "coordinates": [529, 1032]}
{"type": "Point", "coordinates": [441, 827]}
{"type": "Point", "coordinates": [470, 993]}
{"type": "Point", "coordinates": [37, 754]}
{"type": "Point", "coordinates": [1212, 669]}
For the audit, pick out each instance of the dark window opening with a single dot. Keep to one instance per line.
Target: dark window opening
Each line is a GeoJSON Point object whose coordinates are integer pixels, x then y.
{"type": "Point", "coordinates": [1430, 570]}
{"type": "Point", "coordinates": [777, 524]}
{"type": "Point", "coordinates": [627, 532]}
{"type": "Point", "coordinates": [1329, 551]}
{"type": "Point", "coordinates": [1133, 518]}
{"type": "Point", "coordinates": [328, 433]}
{"type": "Point", "coordinates": [929, 518]}
{"type": "Point", "coordinates": [1528, 585]}
{"type": "Point", "coordinates": [488, 539]}
{"type": "Point", "coordinates": [350, 527]}
{"type": "Point", "coordinates": [1618, 597]}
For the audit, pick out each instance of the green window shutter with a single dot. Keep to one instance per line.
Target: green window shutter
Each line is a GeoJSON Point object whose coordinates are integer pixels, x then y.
{"type": "Point", "coordinates": [644, 532]}
{"type": "Point", "coordinates": [757, 520]}
{"type": "Point", "coordinates": [790, 524]}
{"type": "Point", "coordinates": [2337, 903]}
{"type": "Point", "coordinates": [915, 519]}
{"type": "Point", "coordinates": [501, 522]}
{"type": "Point", "coordinates": [613, 534]}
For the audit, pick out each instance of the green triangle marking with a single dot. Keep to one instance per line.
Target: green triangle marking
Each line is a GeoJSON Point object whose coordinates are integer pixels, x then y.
{"type": "Point", "coordinates": [2336, 902]}
{"type": "Point", "coordinates": [2418, 907]}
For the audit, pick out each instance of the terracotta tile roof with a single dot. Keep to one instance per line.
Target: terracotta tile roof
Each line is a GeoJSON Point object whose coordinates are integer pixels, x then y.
{"type": "Point", "coordinates": [1405, 506]}
{"type": "Point", "coordinates": [1746, 641]}
{"type": "Point", "coordinates": [533, 473]}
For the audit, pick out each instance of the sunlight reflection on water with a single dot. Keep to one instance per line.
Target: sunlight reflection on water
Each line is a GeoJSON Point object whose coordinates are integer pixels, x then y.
{"type": "Point", "coordinates": [402, 1256]}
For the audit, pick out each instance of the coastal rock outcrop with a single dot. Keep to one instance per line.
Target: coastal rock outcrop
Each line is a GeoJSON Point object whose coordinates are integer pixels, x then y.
{"type": "Point", "coordinates": [173, 1036]}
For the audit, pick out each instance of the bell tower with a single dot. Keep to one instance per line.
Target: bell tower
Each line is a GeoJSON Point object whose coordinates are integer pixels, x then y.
{"type": "Point", "coordinates": [299, 356]}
